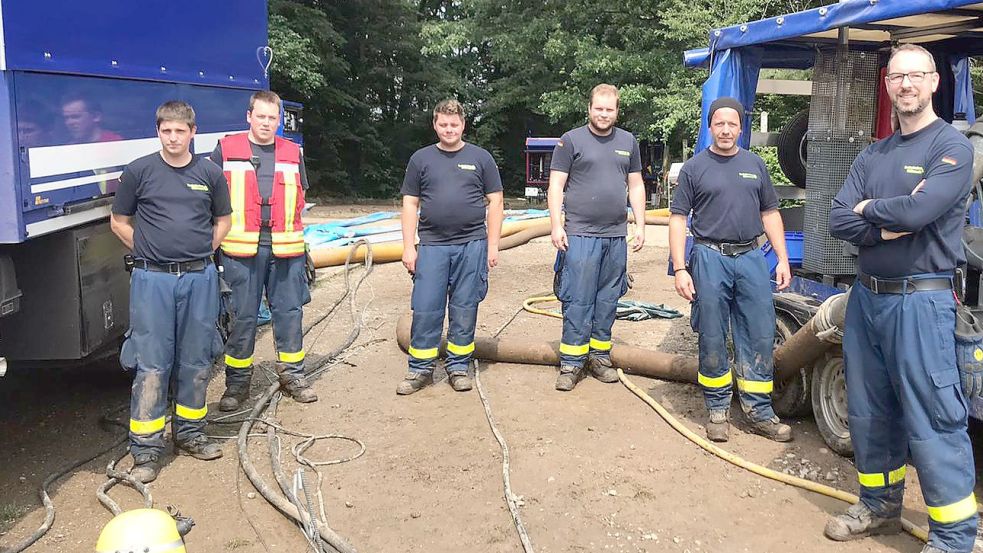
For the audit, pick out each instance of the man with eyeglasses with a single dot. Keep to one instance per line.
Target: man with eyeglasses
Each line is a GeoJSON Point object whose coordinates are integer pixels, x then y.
{"type": "Point", "coordinates": [903, 204]}
{"type": "Point", "coordinates": [265, 249]}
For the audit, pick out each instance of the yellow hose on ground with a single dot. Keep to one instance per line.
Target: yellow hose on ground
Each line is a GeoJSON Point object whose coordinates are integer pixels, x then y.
{"type": "Point", "coordinates": [528, 303]}
{"type": "Point", "coordinates": [822, 489]}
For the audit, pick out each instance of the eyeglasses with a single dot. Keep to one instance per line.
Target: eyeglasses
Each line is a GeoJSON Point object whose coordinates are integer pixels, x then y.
{"type": "Point", "coordinates": [916, 77]}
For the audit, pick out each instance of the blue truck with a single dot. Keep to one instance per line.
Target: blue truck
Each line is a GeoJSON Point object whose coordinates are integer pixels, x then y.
{"type": "Point", "coordinates": [845, 46]}
{"type": "Point", "coordinates": [79, 84]}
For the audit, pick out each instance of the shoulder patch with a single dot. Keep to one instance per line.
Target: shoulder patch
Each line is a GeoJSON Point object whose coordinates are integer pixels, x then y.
{"type": "Point", "coordinates": [950, 160]}
{"type": "Point", "coordinates": [559, 143]}
{"type": "Point", "coordinates": [466, 166]}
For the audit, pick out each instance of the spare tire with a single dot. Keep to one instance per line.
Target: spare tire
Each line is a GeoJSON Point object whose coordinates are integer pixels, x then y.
{"type": "Point", "coordinates": [792, 148]}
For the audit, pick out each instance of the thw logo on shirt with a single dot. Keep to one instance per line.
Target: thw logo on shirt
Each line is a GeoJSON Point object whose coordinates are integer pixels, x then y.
{"type": "Point", "coordinates": [751, 176]}
{"type": "Point", "coordinates": [196, 186]}
{"type": "Point", "coordinates": [466, 166]}
{"type": "Point", "coordinates": [625, 153]}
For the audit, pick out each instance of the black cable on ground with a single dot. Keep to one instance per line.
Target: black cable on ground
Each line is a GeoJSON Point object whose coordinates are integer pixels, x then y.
{"type": "Point", "coordinates": [280, 502]}
{"type": "Point", "coordinates": [49, 506]}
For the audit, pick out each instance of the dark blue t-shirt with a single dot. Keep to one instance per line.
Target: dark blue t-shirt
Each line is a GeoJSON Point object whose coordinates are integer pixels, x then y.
{"type": "Point", "coordinates": [174, 207]}
{"type": "Point", "coordinates": [452, 188]}
{"type": "Point", "coordinates": [726, 194]}
{"type": "Point", "coordinates": [596, 194]}
{"type": "Point", "coordinates": [887, 172]}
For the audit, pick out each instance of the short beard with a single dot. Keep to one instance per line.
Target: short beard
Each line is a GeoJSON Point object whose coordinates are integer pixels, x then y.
{"type": "Point", "coordinates": [919, 107]}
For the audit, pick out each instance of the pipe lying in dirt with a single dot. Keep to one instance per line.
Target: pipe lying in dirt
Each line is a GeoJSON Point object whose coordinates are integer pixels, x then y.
{"type": "Point", "coordinates": [819, 334]}
{"type": "Point", "coordinates": [632, 360]}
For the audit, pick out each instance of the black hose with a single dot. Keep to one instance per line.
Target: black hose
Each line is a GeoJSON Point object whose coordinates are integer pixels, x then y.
{"type": "Point", "coordinates": [280, 502]}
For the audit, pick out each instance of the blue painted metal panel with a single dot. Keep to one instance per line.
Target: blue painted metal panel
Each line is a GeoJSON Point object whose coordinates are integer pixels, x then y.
{"type": "Point", "coordinates": [10, 214]}
{"type": "Point", "coordinates": [541, 144]}
{"type": "Point", "coordinates": [844, 14]}
{"type": "Point", "coordinates": [199, 42]}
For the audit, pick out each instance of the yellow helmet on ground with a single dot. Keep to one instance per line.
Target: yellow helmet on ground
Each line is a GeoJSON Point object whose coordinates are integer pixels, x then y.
{"type": "Point", "coordinates": [141, 531]}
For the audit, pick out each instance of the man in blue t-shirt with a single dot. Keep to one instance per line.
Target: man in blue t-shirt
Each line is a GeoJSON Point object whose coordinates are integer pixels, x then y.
{"type": "Point", "coordinates": [445, 190]}
{"type": "Point", "coordinates": [726, 278]}
{"type": "Point", "coordinates": [172, 210]}
{"type": "Point", "coordinates": [589, 172]}
{"type": "Point", "coordinates": [903, 204]}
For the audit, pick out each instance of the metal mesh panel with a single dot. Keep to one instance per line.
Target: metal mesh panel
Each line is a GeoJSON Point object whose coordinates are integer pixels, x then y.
{"type": "Point", "coordinates": [841, 121]}
{"type": "Point", "coordinates": [844, 91]}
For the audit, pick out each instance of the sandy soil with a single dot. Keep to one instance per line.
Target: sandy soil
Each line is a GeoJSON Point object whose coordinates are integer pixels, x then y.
{"type": "Point", "coordinates": [597, 469]}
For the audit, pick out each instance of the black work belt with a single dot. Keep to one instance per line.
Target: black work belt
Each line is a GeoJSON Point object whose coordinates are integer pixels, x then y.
{"type": "Point", "coordinates": [905, 285]}
{"type": "Point", "coordinates": [729, 248]}
{"type": "Point", "coordinates": [176, 267]}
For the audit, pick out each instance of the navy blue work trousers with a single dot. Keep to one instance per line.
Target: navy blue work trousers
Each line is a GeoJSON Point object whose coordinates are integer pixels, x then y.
{"type": "Point", "coordinates": [453, 279]}
{"type": "Point", "coordinates": [590, 278]}
{"type": "Point", "coordinates": [905, 403]}
{"type": "Point", "coordinates": [287, 291]}
{"type": "Point", "coordinates": [171, 344]}
{"type": "Point", "coordinates": [734, 292]}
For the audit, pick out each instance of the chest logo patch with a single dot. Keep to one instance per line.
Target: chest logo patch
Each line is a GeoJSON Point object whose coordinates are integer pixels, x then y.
{"type": "Point", "coordinates": [751, 176]}
{"type": "Point", "coordinates": [196, 186]}
{"type": "Point", "coordinates": [466, 166]}
{"type": "Point", "coordinates": [914, 169]}
{"type": "Point", "coordinates": [625, 153]}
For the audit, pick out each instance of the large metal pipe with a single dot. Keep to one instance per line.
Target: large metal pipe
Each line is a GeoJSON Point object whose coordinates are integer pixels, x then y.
{"type": "Point", "coordinates": [812, 340]}
{"type": "Point", "coordinates": [632, 360]}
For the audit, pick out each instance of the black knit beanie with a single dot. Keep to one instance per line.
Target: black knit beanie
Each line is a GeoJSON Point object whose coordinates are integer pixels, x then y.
{"type": "Point", "coordinates": [726, 102]}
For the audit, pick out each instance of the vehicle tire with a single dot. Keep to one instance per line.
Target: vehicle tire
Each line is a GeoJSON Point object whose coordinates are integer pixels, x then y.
{"type": "Point", "coordinates": [829, 404]}
{"type": "Point", "coordinates": [791, 398]}
{"type": "Point", "coordinates": [792, 148]}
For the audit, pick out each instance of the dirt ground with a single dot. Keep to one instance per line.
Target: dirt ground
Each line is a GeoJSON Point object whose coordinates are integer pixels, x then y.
{"type": "Point", "coordinates": [596, 468]}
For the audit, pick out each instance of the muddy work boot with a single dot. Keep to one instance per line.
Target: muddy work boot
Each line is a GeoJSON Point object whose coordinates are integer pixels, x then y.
{"type": "Point", "coordinates": [414, 382]}
{"type": "Point", "coordinates": [146, 467]}
{"type": "Point", "coordinates": [461, 382]}
{"type": "Point", "coordinates": [773, 429]}
{"type": "Point", "coordinates": [602, 369]}
{"type": "Point", "coordinates": [718, 427]}
{"type": "Point", "coordinates": [199, 447]}
{"type": "Point", "coordinates": [299, 389]}
{"type": "Point", "coordinates": [235, 396]}
{"type": "Point", "coordinates": [569, 377]}
{"type": "Point", "coordinates": [859, 522]}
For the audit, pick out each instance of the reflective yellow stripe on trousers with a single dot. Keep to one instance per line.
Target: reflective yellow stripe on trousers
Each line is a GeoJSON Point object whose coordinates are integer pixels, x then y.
{"type": "Point", "coordinates": [714, 382]}
{"type": "Point", "coordinates": [460, 350]}
{"type": "Point", "coordinates": [428, 353]}
{"type": "Point", "coordinates": [295, 357]}
{"type": "Point", "coordinates": [755, 386]}
{"type": "Point", "coordinates": [953, 512]}
{"type": "Point", "coordinates": [876, 479]}
{"type": "Point", "coordinates": [568, 349]}
{"type": "Point", "coordinates": [238, 363]}
{"type": "Point", "coordinates": [190, 413]}
{"type": "Point", "coordinates": [600, 345]}
{"type": "Point", "coordinates": [146, 427]}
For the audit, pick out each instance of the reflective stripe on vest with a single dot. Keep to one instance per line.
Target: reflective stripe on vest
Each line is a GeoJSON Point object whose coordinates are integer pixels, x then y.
{"type": "Point", "coordinates": [287, 200]}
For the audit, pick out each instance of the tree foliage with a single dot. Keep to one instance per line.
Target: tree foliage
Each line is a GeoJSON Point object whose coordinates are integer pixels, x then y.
{"type": "Point", "coordinates": [369, 73]}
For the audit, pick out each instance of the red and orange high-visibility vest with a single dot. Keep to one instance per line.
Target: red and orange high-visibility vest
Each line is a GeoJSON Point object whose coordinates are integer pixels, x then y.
{"type": "Point", "coordinates": [285, 204]}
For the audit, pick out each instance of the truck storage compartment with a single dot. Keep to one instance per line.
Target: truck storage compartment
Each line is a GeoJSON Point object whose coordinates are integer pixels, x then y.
{"type": "Point", "coordinates": [74, 297]}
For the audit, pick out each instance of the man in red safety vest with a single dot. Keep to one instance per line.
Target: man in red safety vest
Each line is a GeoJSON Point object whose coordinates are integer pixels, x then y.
{"type": "Point", "coordinates": [265, 249]}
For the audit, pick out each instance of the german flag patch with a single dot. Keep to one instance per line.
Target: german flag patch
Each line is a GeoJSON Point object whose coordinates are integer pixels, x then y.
{"type": "Point", "coordinates": [949, 160]}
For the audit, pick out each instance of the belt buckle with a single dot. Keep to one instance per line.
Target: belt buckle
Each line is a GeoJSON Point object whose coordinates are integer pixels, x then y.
{"type": "Point", "coordinates": [726, 249]}
{"type": "Point", "coordinates": [873, 285]}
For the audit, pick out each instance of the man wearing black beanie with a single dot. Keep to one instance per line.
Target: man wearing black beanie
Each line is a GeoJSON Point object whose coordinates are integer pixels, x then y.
{"type": "Point", "coordinates": [726, 278]}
